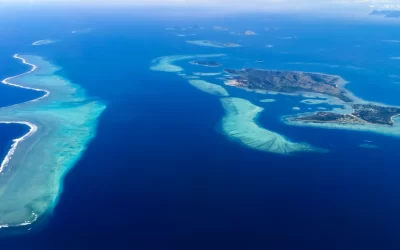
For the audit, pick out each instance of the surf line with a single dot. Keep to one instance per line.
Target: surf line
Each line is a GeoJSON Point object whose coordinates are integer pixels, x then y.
{"type": "Point", "coordinates": [34, 67]}
{"type": "Point", "coordinates": [33, 127]}
{"type": "Point", "coordinates": [32, 130]}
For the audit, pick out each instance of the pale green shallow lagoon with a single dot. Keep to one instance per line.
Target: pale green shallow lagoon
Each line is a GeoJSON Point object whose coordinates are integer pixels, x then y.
{"type": "Point", "coordinates": [239, 123]}
{"type": "Point", "coordinates": [66, 121]}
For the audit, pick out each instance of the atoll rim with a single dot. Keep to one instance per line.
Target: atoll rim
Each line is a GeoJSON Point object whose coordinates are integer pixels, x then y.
{"type": "Point", "coordinates": [62, 122]}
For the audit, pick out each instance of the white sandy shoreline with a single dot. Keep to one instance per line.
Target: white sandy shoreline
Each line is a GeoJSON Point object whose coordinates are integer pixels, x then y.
{"type": "Point", "coordinates": [33, 127]}
{"type": "Point", "coordinates": [10, 153]}
{"type": "Point", "coordinates": [32, 130]}
{"type": "Point", "coordinates": [34, 67]}
{"type": "Point", "coordinates": [32, 174]}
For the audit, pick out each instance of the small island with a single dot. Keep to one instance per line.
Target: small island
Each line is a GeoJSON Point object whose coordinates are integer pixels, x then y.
{"type": "Point", "coordinates": [362, 114]}
{"type": "Point", "coordinates": [207, 43]}
{"type": "Point", "coordinates": [288, 82]}
{"type": "Point", "coordinates": [212, 64]}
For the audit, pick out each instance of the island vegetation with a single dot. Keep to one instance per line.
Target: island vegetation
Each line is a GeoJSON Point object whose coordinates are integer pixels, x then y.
{"type": "Point", "coordinates": [288, 82]}
{"type": "Point", "coordinates": [328, 85]}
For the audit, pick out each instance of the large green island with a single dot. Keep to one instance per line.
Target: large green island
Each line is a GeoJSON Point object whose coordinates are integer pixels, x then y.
{"type": "Point", "coordinates": [288, 82]}
{"type": "Point", "coordinates": [327, 85]}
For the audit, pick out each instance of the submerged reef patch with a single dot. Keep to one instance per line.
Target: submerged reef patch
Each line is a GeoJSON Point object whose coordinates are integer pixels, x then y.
{"type": "Point", "coordinates": [368, 146]}
{"type": "Point", "coordinates": [267, 100]}
{"type": "Point", "coordinates": [43, 42]}
{"type": "Point", "coordinates": [206, 43]}
{"type": "Point", "coordinates": [209, 88]}
{"type": "Point", "coordinates": [206, 74]}
{"type": "Point", "coordinates": [314, 101]}
{"type": "Point", "coordinates": [239, 123]}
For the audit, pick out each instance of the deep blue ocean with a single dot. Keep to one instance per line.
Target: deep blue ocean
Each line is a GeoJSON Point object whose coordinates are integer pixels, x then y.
{"type": "Point", "coordinates": [159, 175]}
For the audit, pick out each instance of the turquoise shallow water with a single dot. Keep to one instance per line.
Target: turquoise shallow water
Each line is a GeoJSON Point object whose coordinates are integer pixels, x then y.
{"type": "Point", "coordinates": [160, 175]}
{"type": "Point", "coordinates": [61, 123]}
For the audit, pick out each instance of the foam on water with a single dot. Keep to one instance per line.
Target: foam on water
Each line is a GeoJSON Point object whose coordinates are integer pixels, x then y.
{"type": "Point", "coordinates": [209, 88]}
{"type": "Point", "coordinates": [239, 123]}
{"type": "Point", "coordinates": [61, 122]}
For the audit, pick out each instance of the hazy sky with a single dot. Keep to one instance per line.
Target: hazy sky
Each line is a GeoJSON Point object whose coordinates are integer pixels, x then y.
{"type": "Point", "coordinates": [238, 4]}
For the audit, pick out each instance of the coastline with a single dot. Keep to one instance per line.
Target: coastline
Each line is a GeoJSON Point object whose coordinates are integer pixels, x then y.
{"type": "Point", "coordinates": [338, 105]}
{"type": "Point", "coordinates": [62, 123]}
{"type": "Point", "coordinates": [34, 67]}
{"type": "Point", "coordinates": [239, 123]}
{"type": "Point", "coordinates": [331, 100]}
{"type": "Point", "coordinates": [393, 131]}
{"type": "Point", "coordinates": [33, 127]}
{"type": "Point", "coordinates": [10, 153]}
{"type": "Point", "coordinates": [341, 82]}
